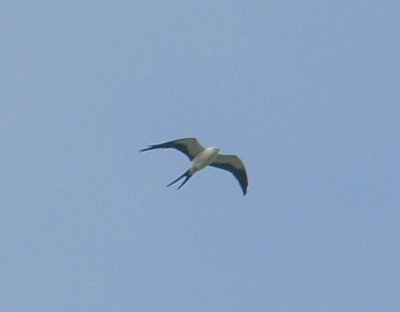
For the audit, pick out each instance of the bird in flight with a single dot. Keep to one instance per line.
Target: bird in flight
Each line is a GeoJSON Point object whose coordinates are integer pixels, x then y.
{"type": "Point", "coordinates": [202, 157]}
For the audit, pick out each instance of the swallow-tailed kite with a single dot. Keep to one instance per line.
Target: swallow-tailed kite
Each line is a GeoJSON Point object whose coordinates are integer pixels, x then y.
{"type": "Point", "coordinates": [202, 157]}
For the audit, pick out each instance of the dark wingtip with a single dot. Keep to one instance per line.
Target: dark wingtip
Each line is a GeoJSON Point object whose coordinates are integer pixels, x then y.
{"type": "Point", "coordinates": [244, 189]}
{"type": "Point", "coordinates": [145, 149]}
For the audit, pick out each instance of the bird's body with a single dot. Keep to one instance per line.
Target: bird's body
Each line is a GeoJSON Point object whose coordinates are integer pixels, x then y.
{"type": "Point", "coordinates": [202, 157]}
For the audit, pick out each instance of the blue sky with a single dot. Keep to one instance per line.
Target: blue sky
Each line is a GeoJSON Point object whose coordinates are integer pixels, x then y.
{"type": "Point", "coordinates": [307, 93]}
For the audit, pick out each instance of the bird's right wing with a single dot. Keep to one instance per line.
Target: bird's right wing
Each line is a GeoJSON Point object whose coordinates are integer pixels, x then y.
{"type": "Point", "coordinates": [188, 146]}
{"type": "Point", "coordinates": [234, 165]}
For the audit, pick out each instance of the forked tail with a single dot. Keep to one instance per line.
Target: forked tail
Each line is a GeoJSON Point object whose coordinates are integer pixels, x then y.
{"type": "Point", "coordinates": [187, 175]}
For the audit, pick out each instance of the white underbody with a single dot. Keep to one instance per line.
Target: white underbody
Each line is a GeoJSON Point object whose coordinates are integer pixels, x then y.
{"type": "Point", "coordinates": [203, 159]}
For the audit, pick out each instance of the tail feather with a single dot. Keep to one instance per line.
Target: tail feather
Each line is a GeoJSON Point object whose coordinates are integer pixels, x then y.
{"type": "Point", "coordinates": [185, 175]}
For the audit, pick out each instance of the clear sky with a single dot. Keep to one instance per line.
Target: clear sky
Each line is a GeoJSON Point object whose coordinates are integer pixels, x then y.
{"type": "Point", "coordinates": [305, 92]}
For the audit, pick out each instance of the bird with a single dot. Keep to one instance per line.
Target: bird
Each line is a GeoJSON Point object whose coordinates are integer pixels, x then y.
{"type": "Point", "coordinates": [202, 157]}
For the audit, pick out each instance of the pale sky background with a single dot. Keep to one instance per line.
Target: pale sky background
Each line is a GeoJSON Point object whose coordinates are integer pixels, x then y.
{"type": "Point", "coordinates": [305, 92]}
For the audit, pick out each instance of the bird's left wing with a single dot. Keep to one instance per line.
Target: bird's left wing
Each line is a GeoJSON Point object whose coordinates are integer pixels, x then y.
{"type": "Point", "coordinates": [234, 165]}
{"type": "Point", "coordinates": [188, 146]}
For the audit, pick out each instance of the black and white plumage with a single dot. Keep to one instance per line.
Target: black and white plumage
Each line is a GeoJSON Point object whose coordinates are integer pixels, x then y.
{"type": "Point", "coordinates": [202, 157]}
